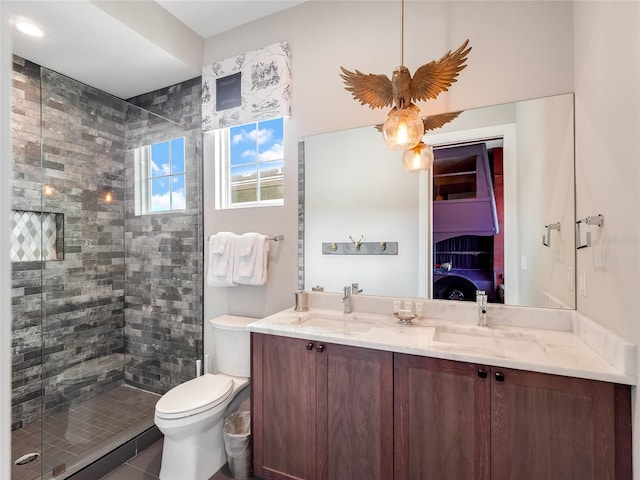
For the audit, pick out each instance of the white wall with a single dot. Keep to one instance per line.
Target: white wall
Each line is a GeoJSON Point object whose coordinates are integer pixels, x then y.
{"type": "Point", "coordinates": [5, 238]}
{"type": "Point", "coordinates": [607, 87]}
{"type": "Point", "coordinates": [607, 79]}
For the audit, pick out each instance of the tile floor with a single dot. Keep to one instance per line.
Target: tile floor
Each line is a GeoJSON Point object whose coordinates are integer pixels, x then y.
{"type": "Point", "coordinates": [82, 434]}
{"type": "Point", "coordinates": [146, 466]}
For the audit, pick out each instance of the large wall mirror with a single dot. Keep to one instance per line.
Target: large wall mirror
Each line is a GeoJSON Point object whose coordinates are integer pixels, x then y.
{"type": "Point", "coordinates": [356, 189]}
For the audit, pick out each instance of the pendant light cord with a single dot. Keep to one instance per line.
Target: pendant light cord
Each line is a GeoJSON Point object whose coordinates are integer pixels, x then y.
{"type": "Point", "coordinates": [401, 32]}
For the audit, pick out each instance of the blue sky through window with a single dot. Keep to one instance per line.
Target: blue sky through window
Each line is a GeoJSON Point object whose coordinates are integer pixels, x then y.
{"type": "Point", "coordinates": [261, 142]}
{"type": "Point", "coordinates": [167, 184]}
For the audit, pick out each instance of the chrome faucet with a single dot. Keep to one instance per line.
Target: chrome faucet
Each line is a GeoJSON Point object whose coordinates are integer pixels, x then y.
{"type": "Point", "coordinates": [481, 300]}
{"type": "Point", "coordinates": [346, 300]}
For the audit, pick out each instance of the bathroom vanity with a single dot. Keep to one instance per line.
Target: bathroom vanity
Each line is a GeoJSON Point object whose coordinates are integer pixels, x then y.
{"type": "Point", "coordinates": [311, 403]}
{"type": "Point", "coordinates": [537, 394]}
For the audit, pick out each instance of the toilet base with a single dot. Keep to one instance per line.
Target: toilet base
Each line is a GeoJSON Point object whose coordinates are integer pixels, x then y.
{"type": "Point", "coordinates": [197, 455]}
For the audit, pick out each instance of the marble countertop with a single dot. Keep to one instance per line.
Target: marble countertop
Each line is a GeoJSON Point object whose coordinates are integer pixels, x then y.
{"type": "Point", "coordinates": [555, 342]}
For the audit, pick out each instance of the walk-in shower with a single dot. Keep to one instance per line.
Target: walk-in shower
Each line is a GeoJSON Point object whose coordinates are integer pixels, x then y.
{"type": "Point", "coordinates": [106, 264]}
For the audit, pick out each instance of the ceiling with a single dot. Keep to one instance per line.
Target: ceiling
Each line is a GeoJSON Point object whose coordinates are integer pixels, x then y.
{"type": "Point", "coordinates": [209, 18]}
{"type": "Point", "coordinates": [129, 47]}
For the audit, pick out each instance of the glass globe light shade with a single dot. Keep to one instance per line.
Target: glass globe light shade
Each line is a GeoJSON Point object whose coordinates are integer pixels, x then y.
{"type": "Point", "coordinates": [418, 159]}
{"type": "Point", "coordinates": [403, 129]}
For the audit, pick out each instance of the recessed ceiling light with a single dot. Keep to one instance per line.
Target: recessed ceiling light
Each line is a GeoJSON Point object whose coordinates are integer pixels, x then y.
{"type": "Point", "coordinates": [29, 28]}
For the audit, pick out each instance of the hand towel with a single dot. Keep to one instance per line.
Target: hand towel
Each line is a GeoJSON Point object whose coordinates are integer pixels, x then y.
{"type": "Point", "coordinates": [257, 273]}
{"type": "Point", "coordinates": [246, 254]}
{"type": "Point", "coordinates": [218, 242]}
{"type": "Point", "coordinates": [222, 250]}
{"type": "Point", "coordinates": [220, 254]}
{"type": "Point", "coordinates": [246, 242]}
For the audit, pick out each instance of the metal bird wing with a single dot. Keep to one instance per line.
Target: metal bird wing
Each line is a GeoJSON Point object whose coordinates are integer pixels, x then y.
{"type": "Point", "coordinates": [369, 89]}
{"type": "Point", "coordinates": [436, 121]}
{"type": "Point", "coordinates": [437, 76]}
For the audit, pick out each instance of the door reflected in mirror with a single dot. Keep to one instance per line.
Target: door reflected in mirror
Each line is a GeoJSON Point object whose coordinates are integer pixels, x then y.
{"type": "Point", "coordinates": [468, 242]}
{"type": "Point", "coordinates": [355, 186]}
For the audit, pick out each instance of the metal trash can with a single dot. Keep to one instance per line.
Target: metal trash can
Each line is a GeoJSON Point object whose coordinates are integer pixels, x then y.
{"type": "Point", "coordinates": [237, 443]}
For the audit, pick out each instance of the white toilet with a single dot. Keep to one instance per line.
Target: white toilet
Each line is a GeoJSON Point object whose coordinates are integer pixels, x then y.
{"type": "Point", "coordinates": [191, 415]}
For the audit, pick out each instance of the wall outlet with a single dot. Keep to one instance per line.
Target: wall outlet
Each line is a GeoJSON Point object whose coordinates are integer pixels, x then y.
{"type": "Point", "coordinates": [523, 262]}
{"type": "Point", "coordinates": [582, 283]}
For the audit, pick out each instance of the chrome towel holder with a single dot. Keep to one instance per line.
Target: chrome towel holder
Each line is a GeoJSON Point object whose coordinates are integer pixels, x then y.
{"type": "Point", "coordinates": [597, 220]}
{"type": "Point", "coordinates": [276, 238]}
{"type": "Point", "coordinates": [546, 239]}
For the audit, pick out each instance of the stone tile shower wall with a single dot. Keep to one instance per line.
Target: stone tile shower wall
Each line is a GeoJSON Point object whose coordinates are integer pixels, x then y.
{"type": "Point", "coordinates": [68, 314]}
{"type": "Point", "coordinates": [26, 277]}
{"type": "Point", "coordinates": [119, 306]}
{"type": "Point", "coordinates": [164, 274]}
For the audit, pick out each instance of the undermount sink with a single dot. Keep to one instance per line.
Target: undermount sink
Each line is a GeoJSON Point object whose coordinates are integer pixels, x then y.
{"type": "Point", "coordinates": [345, 322]}
{"type": "Point", "coordinates": [487, 338]}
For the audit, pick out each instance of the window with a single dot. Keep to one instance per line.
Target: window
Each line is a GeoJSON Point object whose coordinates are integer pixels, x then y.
{"type": "Point", "coordinates": [160, 177]}
{"type": "Point", "coordinates": [250, 165]}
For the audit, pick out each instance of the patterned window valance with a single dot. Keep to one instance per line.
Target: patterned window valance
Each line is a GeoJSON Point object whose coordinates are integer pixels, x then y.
{"type": "Point", "coordinates": [247, 88]}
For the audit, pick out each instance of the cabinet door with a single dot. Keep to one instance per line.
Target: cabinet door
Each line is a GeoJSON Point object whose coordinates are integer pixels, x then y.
{"type": "Point", "coordinates": [355, 413]}
{"type": "Point", "coordinates": [549, 426]}
{"type": "Point", "coordinates": [441, 419]}
{"type": "Point", "coordinates": [284, 407]}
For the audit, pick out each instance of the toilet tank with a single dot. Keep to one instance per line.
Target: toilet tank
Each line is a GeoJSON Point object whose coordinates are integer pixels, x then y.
{"type": "Point", "coordinates": [232, 344]}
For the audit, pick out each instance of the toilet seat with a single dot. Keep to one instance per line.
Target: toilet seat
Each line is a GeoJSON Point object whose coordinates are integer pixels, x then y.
{"type": "Point", "coordinates": [194, 396]}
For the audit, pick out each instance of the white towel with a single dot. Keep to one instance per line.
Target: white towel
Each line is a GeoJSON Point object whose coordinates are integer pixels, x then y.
{"type": "Point", "coordinates": [218, 242]}
{"type": "Point", "coordinates": [252, 269]}
{"type": "Point", "coordinates": [246, 254]}
{"type": "Point", "coordinates": [246, 242]}
{"type": "Point", "coordinates": [220, 258]}
{"type": "Point", "coordinates": [222, 250]}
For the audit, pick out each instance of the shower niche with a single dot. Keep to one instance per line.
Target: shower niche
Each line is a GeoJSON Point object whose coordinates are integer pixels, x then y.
{"type": "Point", "coordinates": [36, 236]}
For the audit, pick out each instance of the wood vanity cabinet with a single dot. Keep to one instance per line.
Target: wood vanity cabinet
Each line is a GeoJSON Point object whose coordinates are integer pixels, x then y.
{"type": "Point", "coordinates": [442, 423]}
{"type": "Point", "coordinates": [321, 411]}
{"type": "Point", "coordinates": [467, 421]}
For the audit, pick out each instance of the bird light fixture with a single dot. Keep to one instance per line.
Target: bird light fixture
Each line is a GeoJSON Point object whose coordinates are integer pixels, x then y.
{"type": "Point", "coordinates": [403, 129]}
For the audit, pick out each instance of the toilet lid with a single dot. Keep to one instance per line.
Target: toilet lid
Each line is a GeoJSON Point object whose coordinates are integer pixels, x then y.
{"type": "Point", "coordinates": [195, 396]}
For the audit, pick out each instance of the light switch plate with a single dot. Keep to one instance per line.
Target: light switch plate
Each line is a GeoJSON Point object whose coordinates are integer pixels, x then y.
{"type": "Point", "coordinates": [582, 283]}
